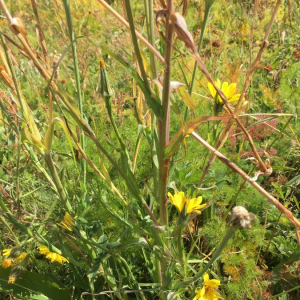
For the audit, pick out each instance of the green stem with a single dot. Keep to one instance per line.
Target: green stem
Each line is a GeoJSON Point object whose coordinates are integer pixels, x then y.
{"type": "Point", "coordinates": [77, 77]}
{"type": "Point", "coordinates": [134, 41]}
{"type": "Point", "coordinates": [285, 292]}
{"type": "Point", "coordinates": [153, 60]}
{"type": "Point", "coordinates": [57, 182]}
{"type": "Point", "coordinates": [229, 235]}
{"type": "Point", "coordinates": [18, 170]}
{"type": "Point", "coordinates": [208, 5]}
{"type": "Point", "coordinates": [181, 252]}
{"type": "Point", "coordinates": [164, 123]}
{"type": "Point", "coordinates": [235, 196]}
{"type": "Point", "coordinates": [141, 294]}
{"type": "Point", "coordinates": [163, 128]}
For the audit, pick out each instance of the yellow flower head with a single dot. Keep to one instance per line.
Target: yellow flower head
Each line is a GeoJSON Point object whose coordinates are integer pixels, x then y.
{"type": "Point", "coordinates": [228, 90]}
{"type": "Point", "coordinates": [209, 290]}
{"type": "Point", "coordinates": [6, 252]}
{"type": "Point", "coordinates": [9, 260]}
{"type": "Point", "coordinates": [192, 205]}
{"type": "Point", "coordinates": [52, 256]}
{"type": "Point", "coordinates": [11, 279]}
{"type": "Point", "coordinates": [67, 222]}
{"type": "Point", "coordinates": [6, 263]}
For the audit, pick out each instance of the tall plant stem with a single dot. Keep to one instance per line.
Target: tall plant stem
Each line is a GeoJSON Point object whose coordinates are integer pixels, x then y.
{"type": "Point", "coordinates": [208, 5]}
{"type": "Point", "coordinates": [77, 77]}
{"type": "Point", "coordinates": [164, 123]}
{"type": "Point", "coordinates": [153, 63]}
{"type": "Point", "coordinates": [163, 129]}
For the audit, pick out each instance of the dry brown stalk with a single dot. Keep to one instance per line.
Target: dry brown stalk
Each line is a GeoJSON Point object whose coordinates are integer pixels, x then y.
{"type": "Point", "coordinates": [238, 170]}
{"type": "Point", "coordinates": [41, 34]}
{"type": "Point", "coordinates": [126, 24]}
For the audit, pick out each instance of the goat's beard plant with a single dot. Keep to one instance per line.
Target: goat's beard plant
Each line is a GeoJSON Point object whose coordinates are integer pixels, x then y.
{"type": "Point", "coordinates": [100, 265]}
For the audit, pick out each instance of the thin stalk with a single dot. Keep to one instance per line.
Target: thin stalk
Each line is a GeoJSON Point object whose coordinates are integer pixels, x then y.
{"type": "Point", "coordinates": [164, 124]}
{"type": "Point", "coordinates": [235, 196]}
{"type": "Point", "coordinates": [163, 129]}
{"type": "Point", "coordinates": [208, 6]}
{"type": "Point", "coordinates": [181, 252]}
{"type": "Point", "coordinates": [229, 234]}
{"type": "Point", "coordinates": [57, 182]}
{"type": "Point", "coordinates": [285, 292]}
{"type": "Point", "coordinates": [125, 23]}
{"type": "Point", "coordinates": [153, 61]}
{"type": "Point", "coordinates": [15, 238]}
{"type": "Point", "coordinates": [124, 262]}
{"type": "Point", "coordinates": [281, 131]}
{"type": "Point", "coordinates": [135, 42]}
{"type": "Point", "coordinates": [18, 170]}
{"type": "Point", "coordinates": [154, 142]}
{"type": "Point", "coordinates": [35, 160]}
{"type": "Point", "coordinates": [77, 77]}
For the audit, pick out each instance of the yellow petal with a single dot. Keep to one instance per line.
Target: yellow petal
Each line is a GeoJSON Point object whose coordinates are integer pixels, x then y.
{"type": "Point", "coordinates": [218, 83]}
{"type": "Point", "coordinates": [21, 257]}
{"type": "Point", "coordinates": [193, 205]}
{"type": "Point", "coordinates": [6, 252]}
{"type": "Point", "coordinates": [177, 200]}
{"type": "Point", "coordinates": [214, 283]}
{"type": "Point", "coordinates": [234, 98]}
{"type": "Point", "coordinates": [224, 87]}
{"type": "Point", "coordinates": [181, 201]}
{"type": "Point", "coordinates": [206, 278]}
{"type": "Point", "coordinates": [230, 90]}
{"type": "Point", "coordinates": [211, 89]}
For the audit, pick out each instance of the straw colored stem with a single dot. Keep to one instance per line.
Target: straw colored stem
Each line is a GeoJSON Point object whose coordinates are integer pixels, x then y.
{"type": "Point", "coordinates": [126, 24]}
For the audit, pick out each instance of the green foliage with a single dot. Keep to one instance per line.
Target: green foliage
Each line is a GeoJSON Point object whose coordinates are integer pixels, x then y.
{"type": "Point", "coordinates": [106, 219]}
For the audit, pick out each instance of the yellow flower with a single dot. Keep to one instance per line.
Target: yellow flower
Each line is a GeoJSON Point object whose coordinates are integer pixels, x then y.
{"type": "Point", "coordinates": [209, 291]}
{"type": "Point", "coordinates": [9, 260]}
{"type": "Point", "coordinates": [6, 252]}
{"type": "Point", "coordinates": [192, 205]}
{"type": "Point", "coordinates": [11, 279]}
{"type": "Point", "coordinates": [67, 222]}
{"type": "Point", "coordinates": [51, 255]}
{"type": "Point", "coordinates": [7, 263]}
{"type": "Point", "coordinates": [228, 90]}
{"type": "Point", "coordinates": [21, 257]}
{"type": "Point", "coordinates": [178, 200]}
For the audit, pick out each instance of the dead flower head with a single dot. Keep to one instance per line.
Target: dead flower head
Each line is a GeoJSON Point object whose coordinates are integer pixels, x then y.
{"type": "Point", "coordinates": [240, 217]}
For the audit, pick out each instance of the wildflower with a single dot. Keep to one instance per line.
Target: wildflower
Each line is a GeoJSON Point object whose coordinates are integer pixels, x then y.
{"type": "Point", "coordinates": [11, 279]}
{"type": "Point", "coordinates": [177, 200]}
{"type": "Point", "coordinates": [192, 205]}
{"type": "Point", "coordinates": [7, 262]}
{"type": "Point", "coordinates": [6, 252]}
{"type": "Point", "coordinates": [228, 90]}
{"type": "Point", "coordinates": [52, 256]}
{"type": "Point", "coordinates": [12, 256]}
{"type": "Point", "coordinates": [209, 291]}
{"type": "Point", "coordinates": [67, 222]}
